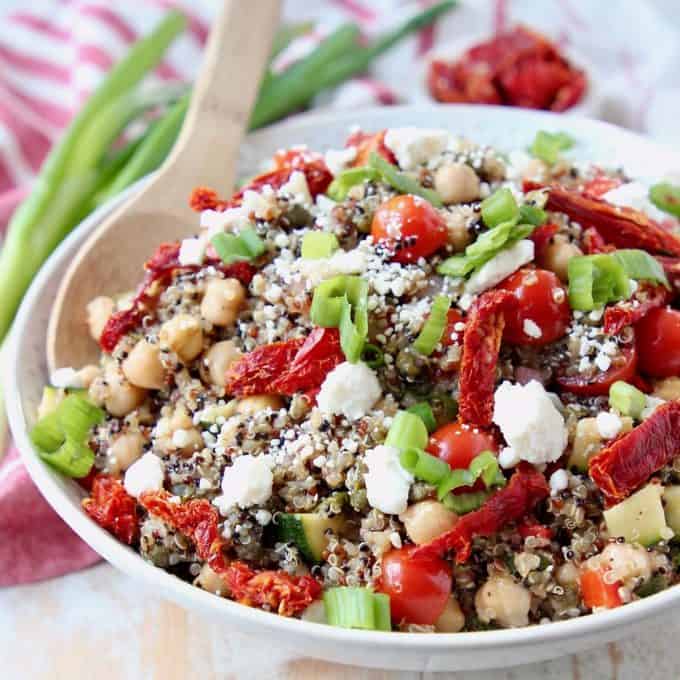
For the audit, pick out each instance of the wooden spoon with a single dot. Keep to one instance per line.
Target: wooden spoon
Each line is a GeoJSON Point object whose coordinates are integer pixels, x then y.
{"type": "Point", "coordinates": [111, 260]}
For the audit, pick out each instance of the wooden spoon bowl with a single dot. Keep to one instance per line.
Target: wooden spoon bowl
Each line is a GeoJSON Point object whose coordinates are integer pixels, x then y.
{"type": "Point", "coordinates": [111, 260]}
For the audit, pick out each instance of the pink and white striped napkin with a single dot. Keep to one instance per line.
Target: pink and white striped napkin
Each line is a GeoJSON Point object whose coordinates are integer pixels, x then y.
{"type": "Point", "coordinates": [53, 53]}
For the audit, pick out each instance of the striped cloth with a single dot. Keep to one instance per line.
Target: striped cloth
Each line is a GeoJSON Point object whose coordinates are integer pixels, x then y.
{"type": "Point", "coordinates": [54, 52]}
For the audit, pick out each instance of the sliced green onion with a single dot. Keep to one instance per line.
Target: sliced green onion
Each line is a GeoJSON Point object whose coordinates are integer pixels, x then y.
{"type": "Point", "coordinates": [403, 183]}
{"type": "Point", "coordinates": [407, 432]}
{"type": "Point", "coordinates": [595, 280]}
{"type": "Point", "coordinates": [465, 502]}
{"type": "Point", "coordinates": [627, 399]}
{"type": "Point", "coordinates": [340, 186]}
{"type": "Point", "coordinates": [532, 215]}
{"type": "Point", "coordinates": [318, 244]}
{"type": "Point", "coordinates": [666, 197]}
{"type": "Point", "coordinates": [373, 356]}
{"type": "Point", "coordinates": [341, 302]}
{"type": "Point", "coordinates": [431, 333]}
{"type": "Point", "coordinates": [73, 458]}
{"type": "Point", "coordinates": [77, 416]}
{"type": "Point", "coordinates": [424, 411]}
{"type": "Point", "coordinates": [547, 145]}
{"type": "Point", "coordinates": [484, 466]}
{"type": "Point", "coordinates": [500, 207]}
{"type": "Point", "coordinates": [423, 465]}
{"type": "Point", "coordinates": [351, 607]}
{"type": "Point", "coordinates": [246, 245]}
{"type": "Point", "coordinates": [47, 434]}
{"type": "Point", "coordinates": [641, 266]}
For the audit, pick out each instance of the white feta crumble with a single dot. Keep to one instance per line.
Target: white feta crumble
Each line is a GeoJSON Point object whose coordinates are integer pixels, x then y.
{"type": "Point", "coordinates": [508, 458]}
{"type": "Point", "coordinates": [297, 187]}
{"type": "Point", "coordinates": [216, 221]}
{"type": "Point", "coordinates": [246, 483]}
{"type": "Point", "coordinates": [66, 377]}
{"type": "Point", "coordinates": [145, 474]}
{"type": "Point", "coordinates": [500, 267]}
{"type": "Point", "coordinates": [608, 424]}
{"type": "Point", "coordinates": [262, 204]}
{"type": "Point", "coordinates": [635, 195]}
{"type": "Point", "coordinates": [603, 361]}
{"type": "Point", "coordinates": [559, 481]}
{"type": "Point", "coordinates": [337, 159]}
{"type": "Point", "coordinates": [191, 251]}
{"type": "Point", "coordinates": [387, 482]}
{"type": "Point", "coordinates": [415, 146]}
{"type": "Point", "coordinates": [529, 421]}
{"type": "Point", "coordinates": [340, 262]}
{"type": "Point", "coordinates": [531, 328]}
{"type": "Point", "coordinates": [349, 390]}
{"type": "Point", "coordinates": [651, 404]}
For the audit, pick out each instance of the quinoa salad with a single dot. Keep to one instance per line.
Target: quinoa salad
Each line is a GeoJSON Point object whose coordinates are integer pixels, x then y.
{"type": "Point", "coordinates": [412, 384]}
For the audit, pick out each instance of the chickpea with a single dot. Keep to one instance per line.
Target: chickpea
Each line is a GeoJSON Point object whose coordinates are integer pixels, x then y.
{"type": "Point", "coordinates": [458, 233]}
{"type": "Point", "coordinates": [222, 301]}
{"type": "Point", "coordinates": [183, 335]}
{"type": "Point", "coordinates": [250, 406]}
{"type": "Point", "coordinates": [557, 254]}
{"type": "Point", "coordinates": [217, 361]}
{"type": "Point", "coordinates": [176, 432]}
{"type": "Point", "coordinates": [456, 183]}
{"type": "Point", "coordinates": [587, 440]}
{"type": "Point", "coordinates": [452, 619]}
{"type": "Point", "coordinates": [115, 393]}
{"type": "Point", "coordinates": [143, 366]}
{"type": "Point", "coordinates": [503, 600]}
{"type": "Point", "coordinates": [626, 561]}
{"type": "Point", "coordinates": [124, 451]}
{"type": "Point", "coordinates": [426, 520]}
{"type": "Point", "coordinates": [87, 374]}
{"type": "Point", "coordinates": [567, 574]}
{"type": "Point", "coordinates": [98, 312]}
{"type": "Point", "coordinates": [493, 168]}
{"type": "Point", "coordinates": [668, 389]}
{"type": "Point", "coordinates": [210, 580]}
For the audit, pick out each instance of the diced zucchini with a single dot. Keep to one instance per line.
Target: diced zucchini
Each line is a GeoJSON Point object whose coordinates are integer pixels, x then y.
{"type": "Point", "coordinates": [671, 500]}
{"type": "Point", "coordinates": [640, 518]}
{"type": "Point", "coordinates": [308, 532]}
{"type": "Point", "coordinates": [587, 442]}
{"type": "Point", "coordinates": [210, 414]}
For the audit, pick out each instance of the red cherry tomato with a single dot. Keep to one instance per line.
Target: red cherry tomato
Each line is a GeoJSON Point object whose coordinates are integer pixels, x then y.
{"type": "Point", "coordinates": [658, 343]}
{"type": "Point", "coordinates": [542, 315]}
{"type": "Point", "coordinates": [598, 385]}
{"type": "Point", "coordinates": [409, 225]}
{"type": "Point", "coordinates": [418, 588]}
{"type": "Point", "coordinates": [459, 443]}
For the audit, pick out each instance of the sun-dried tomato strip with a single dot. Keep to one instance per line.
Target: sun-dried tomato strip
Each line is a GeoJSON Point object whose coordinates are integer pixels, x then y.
{"type": "Point", "coordinates": [365, 143]}
{"type": "Point", "coordinates": [159, 272]}
{"type": "Point", "coordinates": [600, 185]}
{"type": "Point", "coordinates": [620, 226]}
{"type": "Point", "coordinates": [113, 508]}
{"type": "Point", "coordinates": [647, 297]}
{"type": "Point", "coordinates": [199, 521]}
{"type": "Point", "coordinates": [299, 365]}
{"type": "Point", "coordinates": [628, 462]}
{"type": "Point", "coordinates": [593, 242]}
{"type": "Point", "coordinates": [526, 488]}
{"type": "Point", "coordinates": [481, 344]}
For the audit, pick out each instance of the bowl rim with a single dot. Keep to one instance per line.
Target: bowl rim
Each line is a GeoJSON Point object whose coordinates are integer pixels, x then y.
{"type": "Point", "coordinates": [130, 562]}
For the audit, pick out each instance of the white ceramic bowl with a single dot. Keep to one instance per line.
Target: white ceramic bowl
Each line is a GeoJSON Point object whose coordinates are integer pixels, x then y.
{"type": "Point", "coordinates": [26, 374]}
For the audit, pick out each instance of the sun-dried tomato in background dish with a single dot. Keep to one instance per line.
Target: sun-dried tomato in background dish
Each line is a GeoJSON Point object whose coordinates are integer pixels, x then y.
{"type": "Point", "coordinates": [519, 67]}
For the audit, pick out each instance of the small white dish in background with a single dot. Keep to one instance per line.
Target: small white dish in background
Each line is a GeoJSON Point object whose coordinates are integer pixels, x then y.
{"type": "Point", "coordinates": [25, 374]}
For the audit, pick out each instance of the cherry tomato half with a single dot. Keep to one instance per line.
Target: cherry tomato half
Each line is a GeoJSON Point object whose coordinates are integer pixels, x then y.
{"type": "Point", "coordinates": [542, 315]}
{"type": "Point", "coordinates": [411, 226]}
{"type": "Point", "coordinates": [658, 343]}
{"type": "Point", "coordinates": [418, 588]}
{"type": "Point", "coordinates": [459, 443]}
{"type": "Point", "coordinates": [623, 368]}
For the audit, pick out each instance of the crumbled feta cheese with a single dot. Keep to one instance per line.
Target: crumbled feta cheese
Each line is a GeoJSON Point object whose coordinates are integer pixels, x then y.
{"type": "Point", "coordinates": [387, 482]}
{"type": "Point", "coordinates": [66, 377]}
{"type": "Point", "coordinates": [531, 328]}
{"type": "Point", "coordinates": [651, 404]}
{"type": "Point", "coordinates": [530, 422]}
{"type": "Point", "coordinates": [340, 262]}
{"type": "Point", "coordinates": [191, 251]}
{"type": "Point", "coordinates": [608, 424]}
{"type": "Point", "coordinates": [414, 146]}
{"type": "Point", "coordinates": [559, 481]}
{"type": "Point", "coordinates": [247, 482]}
{"type": "Point", "coordinates": [500, 267]}
{"type": "Point", "coordinates": [297, 187]}
{"type": "Point", "coordinates": [508, 458]}
{"type": "Point", "coordinates": [262, 204]}
{"type": "Point", "coordinates": [216, 221]}
{"type": "Point", "coordinates": [337, 159]}
{"type": "Point", "coordinates": [145, 474]}
{"type": "Point", "coordinates": [350, 390]}
{"type": "Point", "coordinates": [635, 195]}
{"type": "Point", "coordinates": [603, 362]}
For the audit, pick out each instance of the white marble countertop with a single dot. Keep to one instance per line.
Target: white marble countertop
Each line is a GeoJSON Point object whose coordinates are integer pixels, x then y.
{"type": "Point", "coordinates": [100, 624]}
